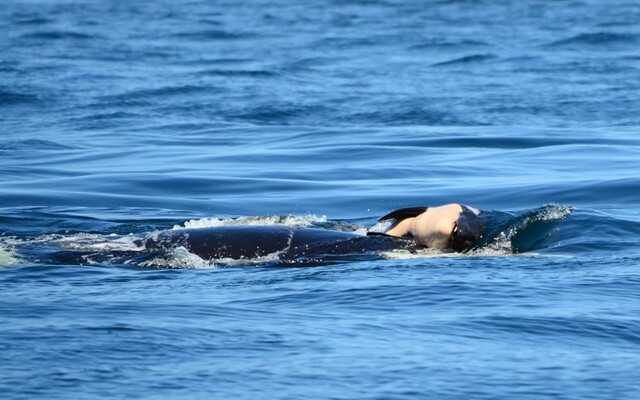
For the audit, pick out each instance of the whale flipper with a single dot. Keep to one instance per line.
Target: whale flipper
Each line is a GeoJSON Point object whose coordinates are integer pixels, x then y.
{"type": "Point", "coordinates": [404, 213]}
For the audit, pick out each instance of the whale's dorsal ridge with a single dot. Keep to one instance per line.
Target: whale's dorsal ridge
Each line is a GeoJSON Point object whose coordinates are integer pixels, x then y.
{"type": "Point", "coordinates": [404, 213]}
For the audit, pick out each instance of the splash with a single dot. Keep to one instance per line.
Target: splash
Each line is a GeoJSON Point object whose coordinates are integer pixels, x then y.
{"type": "Point", "coordinates": [380, 226]}
{"type": "Point", "coordinates": [95, 242]}
{"type": "Point", "coordinates": [75, 249]}
{"type": "Point", "coordinates": [521, 233]}
{"type": "Point", "coordinates": [81, 242]}
{"type": "Point", "coordinates": [423, 253]}
{"type": "Point", "coordinates": [288, 220]}
{"type": "Point", "coordinates": [7, 257]}
{"type": "Point", "coordinates": [181, 258]}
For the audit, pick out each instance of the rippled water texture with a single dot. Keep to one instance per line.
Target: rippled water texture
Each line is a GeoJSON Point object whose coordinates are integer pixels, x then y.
{"type": "Point", "coordinates": [119, 120]}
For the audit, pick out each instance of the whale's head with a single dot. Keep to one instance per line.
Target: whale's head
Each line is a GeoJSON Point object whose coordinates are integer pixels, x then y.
{"type": "Point", "coordinates": [451, 226]}
{"type": "Point", "coordinates": [467, 230]}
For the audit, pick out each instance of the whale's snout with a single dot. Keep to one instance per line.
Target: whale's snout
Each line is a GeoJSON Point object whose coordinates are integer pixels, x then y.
{"type": "Point", "coordinates": [467, 231]}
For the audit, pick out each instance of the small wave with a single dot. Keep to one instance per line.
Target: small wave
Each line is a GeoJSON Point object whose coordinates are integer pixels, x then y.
{"type": "Point", "coordinates": [104, 119]}
{"type": "Point", "coordinates": [238, 73]}
{"type": "Point", "coordinates": [165, 91]}
{"type": "Point", "coordinates": [445, 44]}
{"type": "Point", "coordinates": [411, 116]}
{"type": "Point", "coordinates": [217, 61]}
{"type": "Point", "coordinates": [490, 142]}
{"type": "Point", "coordinates": [288, 220]}
{"type": "Point", "coordinates": [8, 97]}
{"type": "Point", "coordinates": [597, 39]}
{"type": "Point", "coordinates": [32, 145]}
{"type": "Point", "coordinates": [276, 115]}
{"type": "Point", "coordinates": [525, 232]}
{"type": "Point", "coordinates": [34, 21]}
{"type": "Point", "coordinates": [475, 58]}
{"type": "Point", "coordinates": [214, 35]}
{"type": "Point", "coordinates": [309, 63]}
{"type": "Point", "coordinates": [574, 328]}
{"type": "Point", "coordinates": [345, 42]}
{"type": "Point", "coordinates": [60, 35]}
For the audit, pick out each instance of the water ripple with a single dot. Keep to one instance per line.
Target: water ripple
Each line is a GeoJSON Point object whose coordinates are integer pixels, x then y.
{"type": "Point", "coordinates": [470, 59]}
{"type": "Point", "coordinates": [119, 119]}
{"type": "Point", "coordinates": [9, 97]}
{"type": "Point", "coordinates": [599, 39]}
{"type": "Point", "coordinates": [61, 35]}
{"type": "Point", "coordinates": [211, 35]}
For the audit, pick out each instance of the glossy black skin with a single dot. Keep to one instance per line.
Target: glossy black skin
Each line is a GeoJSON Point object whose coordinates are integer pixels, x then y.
{"type": "Point", "coordinates": [469, 230]}
{"type": "Point", "coordinates": [287, 243]}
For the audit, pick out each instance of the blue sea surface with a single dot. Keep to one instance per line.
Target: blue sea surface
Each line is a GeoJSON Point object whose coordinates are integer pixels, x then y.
{"type": "Point", "coordinates": [123, 118]}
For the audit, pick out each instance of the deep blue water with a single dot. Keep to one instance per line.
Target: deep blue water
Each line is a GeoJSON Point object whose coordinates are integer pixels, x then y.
{"type": "Point", "coordinates": [120, 118]}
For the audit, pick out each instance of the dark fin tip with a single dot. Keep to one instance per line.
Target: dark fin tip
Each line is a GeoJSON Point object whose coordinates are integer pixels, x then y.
{"type": "Point", "coordinates": [404, 213]}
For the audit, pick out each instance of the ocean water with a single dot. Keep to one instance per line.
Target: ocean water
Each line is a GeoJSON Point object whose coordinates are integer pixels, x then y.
{"type": "Point", "coordinates": [119, 119]}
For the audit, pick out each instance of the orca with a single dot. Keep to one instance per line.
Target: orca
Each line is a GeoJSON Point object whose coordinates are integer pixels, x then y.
{"type": "Point", "coordinates": [453, 226]}
{"type": "Point", "coordinates": [282, 242]}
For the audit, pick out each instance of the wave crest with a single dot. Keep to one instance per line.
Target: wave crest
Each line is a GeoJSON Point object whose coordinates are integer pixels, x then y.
{"type": "Point", "coordinates": [288, 220]}
{"type": "Point", "coordinates": [524, 232]}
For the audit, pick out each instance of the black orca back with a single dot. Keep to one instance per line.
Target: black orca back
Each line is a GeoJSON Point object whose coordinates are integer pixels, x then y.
{"type": "Point", "coordinates": [287, 243]}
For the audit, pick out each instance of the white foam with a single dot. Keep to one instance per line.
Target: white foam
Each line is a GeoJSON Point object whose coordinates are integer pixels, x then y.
{"type": "Point", "coordinates": [380, 226]}
{"type": "Point", "coordinates": [7, 257]}
{"type": "Point", "coordinates": [288, 220]}
{"type": "Point", "coordinates": [95, 242]}
{"type": "Point", "coordinates": [180, 257]}
{"type": "Point", "coordinates": [551, 212]}
{"type": "Point", "coordinates": [501, 245]}
{"type": "Point", "coordinates": [422, 253]}
{"type": "Point", "coordinates": [434, 253]}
